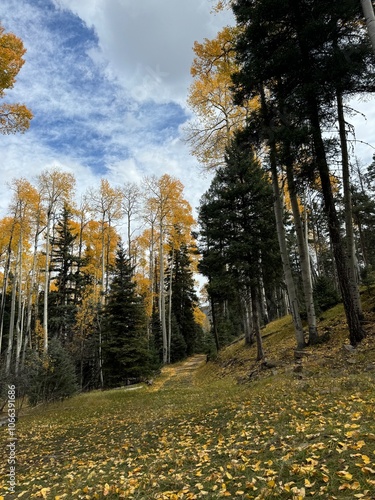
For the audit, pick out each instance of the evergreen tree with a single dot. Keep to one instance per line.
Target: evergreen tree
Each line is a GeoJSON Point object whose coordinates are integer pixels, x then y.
{"type": "Point", "coordinates": [238, 222]}
{"type": "Point", "coordinates": [184, 300]}
{"type": "Point", "coordinates": [301, 56]}
{"type": "Point", "coordinates": [69, 281]}
{"type": "Point", "coordinates": [125, 349]}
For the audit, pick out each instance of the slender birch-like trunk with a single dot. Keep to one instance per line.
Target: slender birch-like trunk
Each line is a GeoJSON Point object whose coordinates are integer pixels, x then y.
{"type": "Point", "coordinates": [303, 256]}
{"type": "Point", "coordinates": [279, 215]}
{"type": "Point", "coordinates": [32, 287]}
{"type": "Point", "coordinates": [255, 321]}
{"type": "Point", "coordinates": [350, 244]}
{"type": "Point", "coordinates": [162, 296]}
{"type": "Point", "coordinates": [19, 323]}
{"type": "Point", "coordinates": [9, 351]}
{"type": "Point", "coordinates": [368, 12]}
{"type": "Point", "coordinates": [170, 307]}
{"type": "Point", "coordinates": [46, 286]}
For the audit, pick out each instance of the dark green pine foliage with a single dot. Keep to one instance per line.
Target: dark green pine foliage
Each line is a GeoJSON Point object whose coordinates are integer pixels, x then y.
{"type": "Point", "coordinates": [247, 203]}
{"type": "Point", "coordinates": [238, 228]}
{"type": "Point", "coordinates": [184, 299]}
{"type": "Point", "coordinates": [302, 57]}
{"type": "Point", "coordinates": [126, 356]}
{"type": "Point", "coordinates": [222, 286]}
{"type": "Point", "coordinates": [68, 279]}
{"type": "Point", "coordinates": [363, 198]}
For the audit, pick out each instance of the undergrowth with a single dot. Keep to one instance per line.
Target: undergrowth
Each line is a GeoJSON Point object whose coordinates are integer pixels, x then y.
{"type": "Point", "coordinates": [234, 430]}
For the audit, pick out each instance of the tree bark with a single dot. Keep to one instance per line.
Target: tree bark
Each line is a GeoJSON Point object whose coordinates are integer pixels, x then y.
{"type": "Point", "coordinates": [46, 288]}
{"type": "Point", "coordinates": [9, 351]}
{"type": "Point", "coordinates": [356, 332]}
{"type": "Point", "coordinates": [170, 306]}
{"type": "Point", "coordinates": [279, 212]}
{"type": "Point", "coordinates": [350, 244]}
{"type": "Point", "coordinates": [303, 254]}
{"type": "Point", "coordinates": [255, 318]}
{"type": "Point", "coordinates": [368, 12]}
{"type": "Point", "coordinates": [162, 296]}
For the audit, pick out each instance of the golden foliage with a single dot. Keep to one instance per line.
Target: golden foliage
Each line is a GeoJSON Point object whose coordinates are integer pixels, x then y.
{"type": "Point", "coordinates": [13, 117]}
{"type": "Point", "coordinates": [211, 99]}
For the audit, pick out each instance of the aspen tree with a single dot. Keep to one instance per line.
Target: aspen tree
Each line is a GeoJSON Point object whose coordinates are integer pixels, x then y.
{"type": "Point", "coordinates": [131, 206]}
{"type": "Point", "coordinates": [210, 98]}
{"type": "Point", "coordinates": [13, 117]}
{"type": "Point", "coordinates": [55, 188]}
{"type": "Point", "coordinates": [368, 12]}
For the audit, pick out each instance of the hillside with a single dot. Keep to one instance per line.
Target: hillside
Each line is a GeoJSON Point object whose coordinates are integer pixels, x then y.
{"type": "Point", "coordinates": [230, 428]}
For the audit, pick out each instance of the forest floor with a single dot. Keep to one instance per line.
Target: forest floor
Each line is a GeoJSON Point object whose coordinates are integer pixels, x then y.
{"type": "Point", "coordinates": [293, 428]}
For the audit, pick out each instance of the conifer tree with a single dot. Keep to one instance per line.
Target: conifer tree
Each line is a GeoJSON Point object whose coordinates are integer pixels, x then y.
{"type": "Point", "coordinates": [184, 299]}
{"type": "Point", "coordinates": [125, 349]}
{"type": "Point", "coordinates": [241, 225]}
{"type": "Point", "coordinates": [69, 281]}
{"type": "Point", "coordinates": [300, 54]}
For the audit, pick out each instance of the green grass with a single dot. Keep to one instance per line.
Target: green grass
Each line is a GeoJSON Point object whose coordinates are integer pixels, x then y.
{"type": "Point", "coordinates": [282, 435]}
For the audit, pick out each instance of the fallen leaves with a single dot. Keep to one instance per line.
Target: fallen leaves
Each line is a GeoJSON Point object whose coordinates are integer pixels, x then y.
{"type": "Point", "coordinates": [275, 440]}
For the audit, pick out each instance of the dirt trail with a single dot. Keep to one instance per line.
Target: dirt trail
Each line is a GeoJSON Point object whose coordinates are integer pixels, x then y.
{"type": "Point", "coordinates": [179, 374]}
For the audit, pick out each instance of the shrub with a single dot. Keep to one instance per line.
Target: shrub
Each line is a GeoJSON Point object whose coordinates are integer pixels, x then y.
{"type": "Point", "coordinates": [51, 377]}
{"type": "Point", "coordinates": [325, 294]}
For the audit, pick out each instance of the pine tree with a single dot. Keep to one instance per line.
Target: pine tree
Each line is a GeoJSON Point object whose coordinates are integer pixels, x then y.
{"type": "Point", "coordinates": [299, 56]}
{"type": "Point", "coordinates": [183, 301]}
{"type": "Point", "coordinates": [69, 281]}
{"type": "Point", "coordinates": [125, 350]}
{"type": "Point", "coordinates": [240, 226]}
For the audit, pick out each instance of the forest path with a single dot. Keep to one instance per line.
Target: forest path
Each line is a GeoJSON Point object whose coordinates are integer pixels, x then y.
{"type": "Point", "coordinates": [179, 374]}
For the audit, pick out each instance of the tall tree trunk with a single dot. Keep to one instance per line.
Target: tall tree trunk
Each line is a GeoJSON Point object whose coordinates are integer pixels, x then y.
{"type": "Point", "coordinates": [46, 287]}
{"type": "Point", "coordinates": [32, 289]}
{"type": "Point", "coordinates": [162, 297]}
{"type": "Point", "coordinates": [247, 318]}
{"type": "Point", "coordinates": [263, 299]}
{"type": "Point", "coordinates": [214, 324]}
{"type": "Point", "coordinates": [9, 352]}
{"type": "Point", "coordinates": [302, 251]}
{"type": "Point", "coordinates": [356, 332]}
{"type": "Point", "coordinates": [255, 320]}
{"type": "Point", "coordinates": [350, 244]}
{"type": "Point", "coordinates": [100, 351]}
{"type": "Point", "coordinates": [170, 306]}
{"type": "Point", "coordinates": [19, 323]}
{"type": "Point", "coordinates": [279, 215]}
{"type": "Point", "coordinates": [368, 12]}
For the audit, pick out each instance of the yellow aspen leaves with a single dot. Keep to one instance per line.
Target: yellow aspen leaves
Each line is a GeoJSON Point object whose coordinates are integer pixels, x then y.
{"type": "Point", "coordinates": [13, 117]}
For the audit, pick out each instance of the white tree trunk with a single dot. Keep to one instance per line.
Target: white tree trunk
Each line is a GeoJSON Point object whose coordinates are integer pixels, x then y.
{"type": "Point", "coordinates": [368, 12]}
{"type": "Point", "coordinates": [293, 302]}
{"type": "Point", "coordinates": [19, 324]}
{"type": "Point", "coordinates": [304, 259]}
{"type": "Point", "coordinates": [9, 352]}
{"type": "Point", "coordinates": [46, 289]}
{"type": "Point", "coordinates": [170, 307]}
{"type": "Point", "coordinates": [162, 297]}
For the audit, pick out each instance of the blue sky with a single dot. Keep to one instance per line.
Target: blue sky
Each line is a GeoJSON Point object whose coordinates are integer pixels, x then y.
{"type": "Point", "coordinates": [107, 82]}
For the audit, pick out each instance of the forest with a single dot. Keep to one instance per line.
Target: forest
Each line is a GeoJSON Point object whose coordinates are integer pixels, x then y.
{"type": "Point", "coordinates": [100, 292]}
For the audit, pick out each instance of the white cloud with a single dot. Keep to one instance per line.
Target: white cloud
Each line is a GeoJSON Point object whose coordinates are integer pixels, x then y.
{"type": "Point", "coordinates": [148, 44]}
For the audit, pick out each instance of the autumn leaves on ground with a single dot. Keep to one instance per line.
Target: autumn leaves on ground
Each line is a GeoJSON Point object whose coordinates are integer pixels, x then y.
{"type": "Point", "coordinates": [290, 429]}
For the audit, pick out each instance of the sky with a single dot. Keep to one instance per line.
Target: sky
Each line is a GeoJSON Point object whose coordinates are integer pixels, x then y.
{"type": "Point", "coordinates": [107, 82]}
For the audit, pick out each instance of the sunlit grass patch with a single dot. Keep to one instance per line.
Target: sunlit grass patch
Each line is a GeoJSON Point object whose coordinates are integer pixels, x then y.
{"type": "Point", "coordinates": [284, 435]}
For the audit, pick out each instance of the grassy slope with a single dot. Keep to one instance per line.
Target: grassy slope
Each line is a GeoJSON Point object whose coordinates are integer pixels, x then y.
{"type": "Point", "coordinates": [280, 433]}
